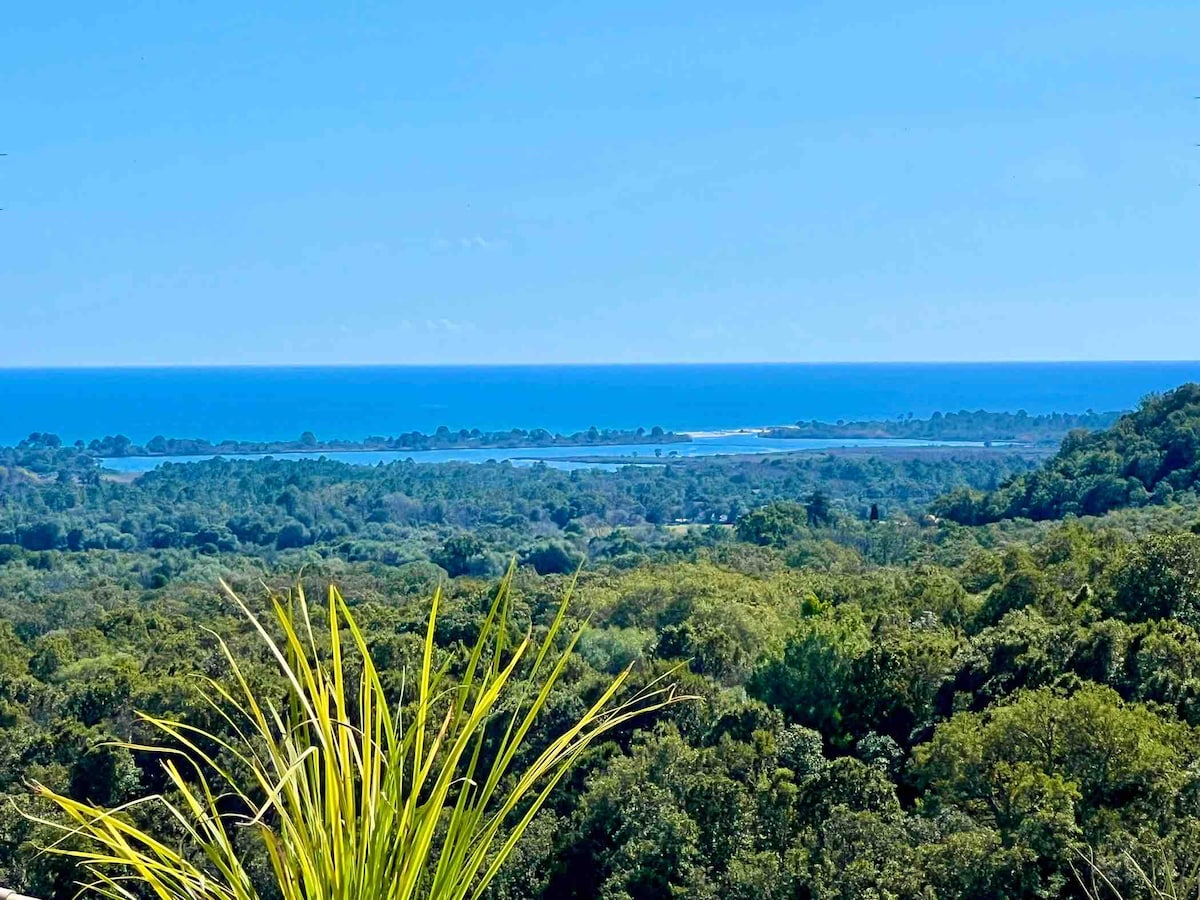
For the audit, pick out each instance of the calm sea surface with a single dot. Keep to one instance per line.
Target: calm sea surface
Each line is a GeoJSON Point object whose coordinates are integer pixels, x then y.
{"type": "Point", "coordinates": [352, 403]}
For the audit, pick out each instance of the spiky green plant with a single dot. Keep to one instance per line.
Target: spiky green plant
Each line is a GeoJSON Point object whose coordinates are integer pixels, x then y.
{"type": "Point", "coordinates": [351, 800]}
{"type": "Point", "coordinates": [1161, 880]}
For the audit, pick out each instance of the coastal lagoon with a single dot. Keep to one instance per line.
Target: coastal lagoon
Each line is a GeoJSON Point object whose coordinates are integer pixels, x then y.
{"type": "Point", "coordinates": [600, 456]}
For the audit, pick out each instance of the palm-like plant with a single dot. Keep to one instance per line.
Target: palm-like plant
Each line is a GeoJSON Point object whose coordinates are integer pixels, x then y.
{"type": "Point", "coordinates": [351, 799]}
{"type": "Point", "coordinates": [1163, 880]}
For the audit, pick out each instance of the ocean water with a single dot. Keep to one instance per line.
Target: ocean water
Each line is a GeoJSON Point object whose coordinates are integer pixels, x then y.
{"type": "Point", "coordinates": [354, 402]}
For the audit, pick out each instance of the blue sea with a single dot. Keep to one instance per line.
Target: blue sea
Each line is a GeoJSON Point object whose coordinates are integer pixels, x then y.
{"type": "Point", "coordinates": [354, 402]}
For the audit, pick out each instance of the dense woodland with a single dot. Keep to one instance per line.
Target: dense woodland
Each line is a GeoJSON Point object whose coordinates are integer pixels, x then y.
{"type": "Point", "coordinates": [467, 517]}
{"type": "Point", "coordinates": [1145, 458]}
{"type": "Point", "coordinates": [924, 675]}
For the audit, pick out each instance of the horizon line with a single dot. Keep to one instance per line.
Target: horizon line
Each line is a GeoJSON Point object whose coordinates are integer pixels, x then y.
{"type": "Point", "coordinates": [84, 367]}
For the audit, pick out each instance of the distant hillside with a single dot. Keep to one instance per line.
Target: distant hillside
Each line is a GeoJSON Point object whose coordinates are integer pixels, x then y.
{"type": "Point", "coordinates": [1146, 456]}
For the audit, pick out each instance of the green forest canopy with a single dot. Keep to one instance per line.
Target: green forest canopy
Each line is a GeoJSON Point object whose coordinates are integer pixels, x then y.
{"type": "Point", "coordinates": [1145, 457]}
{"type": "Point", "coordinates": [892, 708]}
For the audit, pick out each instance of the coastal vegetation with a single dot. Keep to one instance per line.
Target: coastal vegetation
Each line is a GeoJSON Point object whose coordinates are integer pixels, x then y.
{"type": "Point", "coordinates": [980, 425]}
{"type": "Point", "coordinates": [894, 700]}
{"type": "Point", "coordinates": [119, 446]}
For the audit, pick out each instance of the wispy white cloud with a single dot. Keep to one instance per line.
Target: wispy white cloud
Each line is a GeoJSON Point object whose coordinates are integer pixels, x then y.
{"type": "Point", "coordinates": [470, 243]}
{"type": "Point", "coordinates": [477, 242]}
{"type": "Point", "coordinates": [447, 325]}
{"type": "Point", "coordinates": [440, 325]}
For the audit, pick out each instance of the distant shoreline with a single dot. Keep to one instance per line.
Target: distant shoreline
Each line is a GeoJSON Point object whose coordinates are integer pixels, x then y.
{"type": "Point", "coordinates": [757, 430]}
{"type": "Point", "coordinates": [979, 426]}
{"type": "Point", "coordinates": [893, 452]}
{"type": "Point", "coordinates": [158, 447]}
{"type": "Point", "coordinates": [275, 405]}
{"type": "Point", "coordinates": [1000, 430]}
{"type": "Point", "coordinates": [743, 446]}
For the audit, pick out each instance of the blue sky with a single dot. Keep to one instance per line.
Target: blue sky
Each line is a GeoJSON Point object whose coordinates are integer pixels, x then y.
{"type": "Point", "coordinates": [303, 182]}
